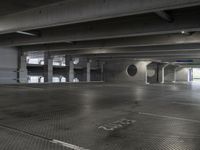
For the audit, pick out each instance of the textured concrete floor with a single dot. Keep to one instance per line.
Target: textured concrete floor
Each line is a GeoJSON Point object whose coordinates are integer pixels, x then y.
{"type": "Point", "coordinates": [158, 117]}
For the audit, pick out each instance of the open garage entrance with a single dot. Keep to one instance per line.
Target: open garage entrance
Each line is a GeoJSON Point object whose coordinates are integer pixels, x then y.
{"type": "Point", "coordinates": [195, 74]}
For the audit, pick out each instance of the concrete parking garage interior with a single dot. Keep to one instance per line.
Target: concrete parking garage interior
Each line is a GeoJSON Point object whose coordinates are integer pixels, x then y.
{"type": "Point", "coordinates": [100, 75]}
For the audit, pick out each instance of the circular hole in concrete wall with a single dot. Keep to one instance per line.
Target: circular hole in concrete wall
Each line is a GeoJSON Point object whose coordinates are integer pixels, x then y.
{"type": "Point", "coordinates": [131, 70]}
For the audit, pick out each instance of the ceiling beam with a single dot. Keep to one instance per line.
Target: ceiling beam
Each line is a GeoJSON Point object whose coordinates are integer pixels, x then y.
{"type": "Point", "coordinates": [138, 50]}
{"type": "Point", "coordinates": [177, 47]}
{"type": "Point", "coordinates": [190, 42]}
{"type": "Point", "coordinates": [141, 25]}
{"type": "Point", "coordinates": [152, 56]}
{"type": "Point", "coordinates": [164, 15]}
{"type": "Point", "coordinates": [133, 53]}
{"type": "Point", "coordinates": [76, 11]}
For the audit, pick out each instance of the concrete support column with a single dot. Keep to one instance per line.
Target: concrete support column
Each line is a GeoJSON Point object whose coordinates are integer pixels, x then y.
{"type": "Point", "coordinates": [48, 68]}
{"type": "Point", "coordinates": [89, 70]}
{"type": "Point", "coordinates": [39, 80]}
{"type": "Point", "coordinates": [60, 79]}
{"type": "Point", "coordinates": [146, 77]}
{"type": "Point", "coordinates": [146, 73]}
{"type": "Point", "coordinates": [102, 71]}
{"type": "Point", "coordinates": [163, 73]}
{"type": "Point", "coordinates": [175, 70]}
{"type": "Point", "coordinates": [190, 74]}
{"type": "Point", "coordinates": [67, 68]}
{"type": "Point", "coordinates": [71, 70]}
{"type": "Point", "coordinates": [22, 68]}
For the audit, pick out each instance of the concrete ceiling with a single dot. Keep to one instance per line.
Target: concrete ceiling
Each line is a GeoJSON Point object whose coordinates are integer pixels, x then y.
{"type": "Point", "coordinates": [104, 28]}
{"type": "Point", "coordinates": [76, 11]}
{"type": "Point", "coordinates": [13, 6]}
{"type": "Point", "coordinates": [131, 26]}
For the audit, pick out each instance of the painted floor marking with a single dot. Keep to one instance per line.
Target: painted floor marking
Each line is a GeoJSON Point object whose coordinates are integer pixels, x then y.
{"type": "Point", "coordinates": [54, 141]}
{"type": "Point", "coordinates": [189, 104]}
{"type": "Point", "coordinates": [68, 145]}
{"type": "Point", "coordinates": [116, 125]}
{"type": "Point", "coordinates": [169, 117]}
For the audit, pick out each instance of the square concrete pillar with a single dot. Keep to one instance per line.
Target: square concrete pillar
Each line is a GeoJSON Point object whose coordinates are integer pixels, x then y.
{"type": "Point", "coordinates": [163, 73]}
{"type": "Point", "coordinates": [22, 68]}
{"type": "Point", "coordinates": [89, 70]}
{"type": "Point", "coordinates": [48, 68]}
{"type": "Point", "coordinates": [175, 71]}
{"type": "Point", "coordinates": [71, 70]}
{"type": "Point", "coordinates": [102, 71]}
{"type": "Point", "coordinates": [67, 60]}
{"type": "Point", "coordinates": [40, 80]}
{"type": "Point", "coordinates": [146, 73]}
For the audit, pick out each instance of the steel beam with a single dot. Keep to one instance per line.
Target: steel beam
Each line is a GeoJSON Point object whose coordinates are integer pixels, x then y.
{"type": "Point", "coordinates": [141, 25]}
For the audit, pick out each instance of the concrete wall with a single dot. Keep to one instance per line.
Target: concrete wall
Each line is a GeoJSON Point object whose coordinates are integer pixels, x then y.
{"type": "Point", "coordinates": [153, 73]}
{"type": "Point", "coordinates": [116, 71]}
{"type": "Point", "coordinates": [182, 74]}
{"type": "Point", "coordinates": [8, 65]}
{"type": "Point", "coordinates": [81, 74]}
{"type": "Point", "coordinates": [81, 70]}
{"type": "Point", "coordinates": [169, 73]}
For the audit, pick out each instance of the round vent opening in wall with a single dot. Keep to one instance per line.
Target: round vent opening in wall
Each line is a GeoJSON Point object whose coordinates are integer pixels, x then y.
{"type": "Point", "coordinates": [131, 70]}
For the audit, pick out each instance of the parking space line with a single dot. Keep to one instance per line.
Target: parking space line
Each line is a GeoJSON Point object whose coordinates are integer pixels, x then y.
{"type": "Point", "coordinates": [188, 104]}
{"type": "Point", "coordinates": [68, 145]}
{"type": "Point", "coordinates": [169, 117]}
{"type": "Point", "coordinates": [54, 141]}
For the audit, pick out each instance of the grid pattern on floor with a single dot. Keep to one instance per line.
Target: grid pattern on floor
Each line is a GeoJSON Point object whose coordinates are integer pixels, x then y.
{"type": "Point", "coordinates": [73, 115]}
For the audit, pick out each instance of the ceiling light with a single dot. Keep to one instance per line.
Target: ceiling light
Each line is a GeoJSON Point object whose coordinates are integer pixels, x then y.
{"type": "Point", "coordinates": [187, 32]}
{"type": "Point", "coordinates": [26, 33]}
{"type": "Point", "coordinates": [183, 32]}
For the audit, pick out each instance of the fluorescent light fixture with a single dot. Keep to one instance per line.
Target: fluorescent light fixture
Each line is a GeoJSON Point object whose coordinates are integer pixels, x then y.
{"type": "Point", "coordinates": [183, 32]}
{"type": "Point", "coordinates": [26, 33]}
